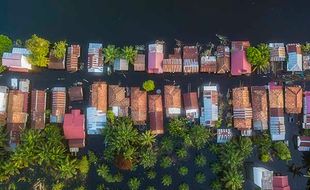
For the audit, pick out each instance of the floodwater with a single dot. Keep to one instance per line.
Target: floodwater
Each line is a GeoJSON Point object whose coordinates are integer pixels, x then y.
{"type": "Point", "coordinates": [124, 22]}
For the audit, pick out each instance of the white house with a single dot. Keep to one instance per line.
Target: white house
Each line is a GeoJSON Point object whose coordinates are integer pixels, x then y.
{"type": "Point", "coordinates": [17, 60]}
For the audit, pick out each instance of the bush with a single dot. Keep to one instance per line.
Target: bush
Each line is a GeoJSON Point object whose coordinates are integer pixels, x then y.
{"type": "Point", "coordinates": [200, 160]}
{"type": "Point", "coordinates": [6, 45]}
{"type": "Point", "coordinates": [83, 165]}
{"type": "Point", "coordinates": [59, 49]}
{"type": "Point", "coordinates": [149, 85]}
{"type": "Point", "coordinates": [282, 151]}
{"type": "Point", "coordinates": [39, 49]}
{"type": "Point", "coordinates": [183, 171]}
{"type": "Point", "coordinates": [265, 157]}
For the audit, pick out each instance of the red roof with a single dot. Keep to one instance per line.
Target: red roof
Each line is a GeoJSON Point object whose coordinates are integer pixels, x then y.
{"type": "Point", "coordinates": [74, 125]}
{"type": "Point", "coordinates": [280, 183]}
{"type": "Point", "coordinates": [239, 63]}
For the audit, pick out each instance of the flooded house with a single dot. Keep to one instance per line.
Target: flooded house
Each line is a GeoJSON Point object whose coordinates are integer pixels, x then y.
{"type": "Point", "coordinates": [223, 59]}
{"type": "Point", "coordinates": [239, 63]}
{"type": "Point", "coordinates": [73, 55]}
{"type": "Point", "coordinates": [56, 63]}
{"type": "Point", "coordinates": [173, 64]}
{"type": "Point", "coordinates": [260, 107]}
{"type": "Point", "coordinates": [209, 111]}
{"type": "Point", "coordinates": [17, 60]}
{"type": "Point", "coordinates": [38, 108]}
{"type": "Point", "coordinates": [262, 178]}
{"type": "Point", "coordinates": [277, 56]}
{"type": "Point", "coordinates": [191, 106]}
{"type": "Point", "coordinates": [95, 58]}
{"type": "Point", "coordinates": [293, 99]}
{"type": "Point", "coordinates": [139, 62]}
{"type": "Point", "coordinates": [294, 62]}
{"type": "Point", "coordinates": [223, 135]}
{"type": "Point", "coordinates": [96, 112]}
{"type": "Point", "coordinates": [4, 90]}
{"type": "Point", "coordinates": [173, 102]}
{"type": "Point", "coordinates": [58, 104]}
{"type": "Point", "coordinates": [120, 64]}
{"type": "Point", "coordinates": [118, 101]}
{"type": "Point", "coordinates": [208, 64]}
{"type": "Point", "coordinates": [138, 101]}
{"type": "Point", "coordinates": [276, 112]}
{"type": "Point", "coordinates": [190, 59]}
{"type": "Point", "coordinates": [74, 130]}
{"type": "Point", "coordinates": [16, 115]}
{"type": "Point", "coordinates": [75, 93]}
{"type": "Point", "coordinates": [155, 58]}
{"type": "Point", "coordinates": [242, 110]}
{"type": "Point", "coordinates": [303, 143]}
{"type": "Point", "coordinates": [280, 183]}
{"type": "Point", "coordinates": [306, 111]}
{"type": "Point", "coordinates": [156, 114]}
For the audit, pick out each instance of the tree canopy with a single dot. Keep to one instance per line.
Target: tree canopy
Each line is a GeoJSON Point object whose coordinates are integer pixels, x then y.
{"type": "Point", "coordinates": [149, 85]}
{"type": "Point", "coordinates": [39, 49]}
{"type": "Point", "coordinates": [59, 49]}
{"type": "Point", "coordinates": [110, 53]}
{"type": "Point", "coordinates": [129, 53]}
{"type": "Point", "coordinates": [283, 152]}
{"type": "Point", "coordinates": [259, 56]}
{"type": "Point", "coordinates": [6, 44]}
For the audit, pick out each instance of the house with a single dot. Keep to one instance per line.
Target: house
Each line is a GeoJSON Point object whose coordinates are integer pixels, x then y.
{"type": "Point", "coordinates": [294, 62]}
{"type": "Point", "coordinates": [138, 100]}
{"type": "Point", "coordinates": [155, 58]}
{"type": "Point", "coordinates": [174, 63]}
{"type": "Point", "coordinates": [303, 143]}
{"type": "Point", "coordinates": [306, 61]}
{"type": "Point", "coordinates": [156, 114]}
{"type": "Point", "coordinates": [58, 104]}
{"type": "Point", "coordinates": [118, 100]}
{"type": "Point", "coordinates": [75, 93]}
{"type": "Point", "coordinates": [277, 56]}
{"type": "Point", "coordinates": [173, 104]}
{"type": "Point", "coordinates": [223, 59]}
{"type": "Point", "coordinates": [280, 183]}
{"type": "Point", "coordinates": [306, 110]}
{"type": "Point", "coordinates": [38, 108]}
{"type": "Point", "coordinates": [120, 64]}
{"type": "Point", "coordinates": [293, 99]}
{"type": "Point", "coordinates": [96, 113]}
{"type": "Point", "coordinates": [190, 59]}
{"type": "Point", "coordinates": [139, 63]}
{"type": "Point", "coordinates": [73, 55]}
{"type": "Point", "coordinates": [16, 115]}
{"type": "Point", "coordinates": [55, 63]}
{"type": "Point", "coordinates": [260, 107]}
{"type": "Point", "coordinates": [209, 111]}
{"type": "Point", "coordinates": [3, 104]}
{"type": "Point", "coordinates": [208, 64]}
{"type": "Point", "coordinates": [276, 112]}
{"type": "Point", "coordinates": [263, 178]}
{"type": "Point", "coordinates": [223, 135]}
{"type": "Point", "coordinates": [17, 60]}
{"type": "Point", "coordinates": [74, 130]}
{"type": "Point", "coordinates": [242, 109]}
{"type": "Point", "coordinates": [239, 63]}
{"type": "Point", "coordinates": [191, 105]}
{"type": "Point", "coordinates": [24, 85]}
{"type": "Point", "coordinates": [95, 58]}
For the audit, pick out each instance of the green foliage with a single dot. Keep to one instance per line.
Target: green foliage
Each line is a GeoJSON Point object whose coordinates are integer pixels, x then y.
{"type": "Point", "coordinates": [283, 152]}
{"type": "Point", "coordinates": [39, 49]}
{"type": "Point", "coordinates": [306, 132]}
{"type": "Point", "coordinates": [104, 172]}
{"type": "Point", "coordinates": [92, 158]}
{"type": "Point", "coordinates": [58, 186]}
{"type": "Point", "coordinates": [305, 48]}
{"type": "Point", "coordinates": [68, 168]}
{"type": "Point", "coordinates": [177, 127]}
{"type": "Point", "coordinates": [166, 180]}
{"type": "Point", "coordinates": [12, 186]}
{"type": "Point", "coordinates": [129, 53]}
{"type": "Point", "coordinates": [134, 183]}
{"type": "Point", "coordinates": [80, 188]}
{"type": "Point", "coordinates": [183, 186]}
{"type": "Point", "coordinates": [151, 174]}
{"type": "Point", "coordinates": [6, 44]}
{"type": "Point", "coordinates": [59, 49]}
{"type": "Point", "coordinates": [150, 188]}
{"type": "Point", "coordinates": [2, 68]}
{"type": "Point", "coordinates": [183, 171]}
{"type": "Point", "coordinates": [216, 168]}
{"type": "Point", "coordinates": [110, 116]}
{"type": "Point", "coordinates": [100, 187]}
{"type": "Point", "coordinates": [218, 123]}
{"type": "Point", "coordinates": [148, 85]}
{"type": "Point", "coordinates": [200, 160]}
{"type": "Point", "coordinates": [265, 157]}
{"type": "Point", "coordinates": [200, 135]}
{"type": "Point", "coordinates": [83, 165]}
{"type": "Point", "coordinates": [148, 158]}
{"type": "Point", "coordinates": [166, 145]}
{"type": "Point", "coordinates": [264, 146]}
{"type": "Point", "coordinates": [182, 153]}
{"type": "Point", "coordinates": [216, 185]}
{"type": "Point", "coordinates": [110, 53]}
{"type": "Point", "coordinates": [200, 177]}
{"type": "Point", "coordinates": [259, 56]}
{"type": "Point", "coordinates": [233, 180]}
{"type": "Point", "coordinates": [166, 162]}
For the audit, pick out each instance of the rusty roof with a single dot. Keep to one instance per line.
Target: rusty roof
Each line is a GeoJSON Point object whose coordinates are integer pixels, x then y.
{"type": "Point", "coordinates": [293, 99]}
{"type": "Point", "coordinates": [55, 63]}
{"type": "Point", "coordinates": [138, 101]}
{"type": "Point", "coordinates": [155, 103]}
{"type": "Point", "coordinates": [139, 63]}
{"type": "Point", "coordinates": [190, 100]}
{"type": "Point", "coordinates": [117, 96]}
{"type": "Point", "coordinates": [99, 96]}
{"type": "Point", "coordinates": [75, 93]}
{"type": "Point", "coordinates": [172, 96]}
{"type": "Point", "coordinates": [38, 107]}
{"type": "Point", "coordinates": [190, 52]}
{"type": "Point", "coordinates": [16, 101]}
{"type": "Point", "coordinates": [223, 59]}
{"type": "Point", "coordinates": [276, 97]}
{"type": "Point", "coordinates": [260, 107]}
{"type": "Point", "coordinates": [241, 98]}
{"type": "Point", "coordinates": [73, 58]}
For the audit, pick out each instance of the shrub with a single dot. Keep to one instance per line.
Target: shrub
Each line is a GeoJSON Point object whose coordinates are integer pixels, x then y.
{"type": "Point", "coordinates": [39, 49]}
{"type": "Point", "coordinates": [282, 151]}
{"type": "Point", "coordinates": [149, 85]}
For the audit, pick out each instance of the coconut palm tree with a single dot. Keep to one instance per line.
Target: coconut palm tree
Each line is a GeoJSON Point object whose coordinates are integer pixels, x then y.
{"type": "Point", "coordinates": [147, 138]}
{"type": "Point", "coordinates": [151, 174]}
{"type": "Point", "coordinates": [148, 158]}
{"type": "Point", "coordinates": [68, 168]}
{"type": "Point", "coordinates": [166, 180]}
{"type": "Point", "coordinates": [183, 186]}
{"type": "Point", "coordinates": [182, 153]}
{"type": "Point", "coordinates": [166, 162]}
{"type": "Point", "coordinates": [166, 145]}
{"type": "Point", "coordinates": [110, 53]}
{"type": "Point", "coordinates": [150, 188]}
{"type": "Point", "coordinates": [103, 171]}
{"type": "Point", "coordinates": [129, 53]}
{"type": "Point", "coordinates": [216, 168]}
{"type": "Point", "coordinates": [200, 178]}
{"type": "Point", "coordinates": [134, 183]}
{"type": "Point", "coordinates": [183, 171]}
{"type": "Point", "coordinates": [216, 185]}
{"type": "Point", "coordinates": [233, 180]}
{"type": "Point", "coordinates": [200, 160]}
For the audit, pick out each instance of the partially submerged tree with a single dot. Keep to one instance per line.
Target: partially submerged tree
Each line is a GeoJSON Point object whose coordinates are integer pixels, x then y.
{"type": "Point", "coordinates": [110, 53]}
{"type": "Point", "coordinates": [59, 49]}
{"type": "Point", "coordinates": [39, 49]}
{"type": "Point", "coordinates": [259, 56]}
{"type": "Point", "coordinates": [148, 85]}
{"type": "Point", "coordinates": [129, 53]}
{"type": "Point", "coordinates": [6, 45]}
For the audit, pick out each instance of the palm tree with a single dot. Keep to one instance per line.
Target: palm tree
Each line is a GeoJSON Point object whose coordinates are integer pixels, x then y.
{"type": "Point", "coordinates": [200, 160]}
{"type": "Point", "coordinates": [147, 138]}
{"type": "Point", "coordinates": [233, 179]}
{"type": "Point", "coordinates": [151, 174]}
{"type": "Point", "coordinates": [183, 186]}
{"type": "Point", "coordinates": [103, 171]}
{"type": "Point", "coordinates": [166, 145]}
{"type": "Point", "coordinates": [216, 185]}
{"type": "Point", "coordinates": [246, 146]}
{"type": "Point", "coordinates": [148, 158]}
{"type": "Point", "coordinates": [200, 178]}
{"type": "Point", "coordinates": [200, 135]}
{"type": "Point", "coordinates": [216, 168]}
{"type": "Point", "coordinates": [134, 183]}
{"type": "Point", "coordinates": [68, 168]}
{"type": "Point", "coordinates": [110, 53]}
{"type": "Point", "coordinates": [166, 162]}
{"type": "Point", "coordinates": [182, 153]}
{"type": "Point", "coordinates": [183, 171]}
{"type": "Point", "coordinates": [166, 180]}
{"type": "Point", "coordinates": [129, 53]}
{"type": "Point", "coordinates": [150, 188]}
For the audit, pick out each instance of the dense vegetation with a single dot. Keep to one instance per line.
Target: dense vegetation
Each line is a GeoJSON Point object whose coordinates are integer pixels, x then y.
{"type": "Point", "coordinates": [259, 56]}
{"type": "Point", "coordinates": [111, 53]}
{"type": "Point", "coordinates": [59, 49]}
{"type": "Point", "coordinates": [6, 45]}
{"type": "Point", "coordinates": [39, 49]}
